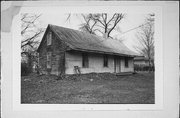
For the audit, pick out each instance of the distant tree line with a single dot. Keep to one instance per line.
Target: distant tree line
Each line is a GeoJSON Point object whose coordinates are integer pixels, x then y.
{"type": "Point", "coordinates": [142, 67]}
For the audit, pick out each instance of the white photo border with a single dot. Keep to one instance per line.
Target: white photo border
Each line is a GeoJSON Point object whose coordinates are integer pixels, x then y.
{"type": "Point", "coordinates": [89, 9]}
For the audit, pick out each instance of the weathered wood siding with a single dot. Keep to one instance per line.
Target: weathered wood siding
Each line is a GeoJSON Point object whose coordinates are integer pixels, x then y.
{"type": "Point", "coordinates": [95, 63]}
{"type": "Point", "coordinates": [57, 48]}
{"type": "Point", "coordinates": [130, 68]}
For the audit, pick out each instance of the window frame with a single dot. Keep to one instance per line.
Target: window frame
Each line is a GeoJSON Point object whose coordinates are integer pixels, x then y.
{"type": "Point", "coordinates": [105, 60]}
{"type": "Point", "coordinates": [49, 38]}
{"type": "Point", "coordinates": [126, 62]}
{"type": "Point", "coordinates": [49, 60]}
{"type": "Point", "coordinates": [85, 60]}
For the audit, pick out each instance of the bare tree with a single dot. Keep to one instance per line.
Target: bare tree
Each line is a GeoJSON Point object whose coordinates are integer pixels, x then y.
{"type": "Point", "coordinates": [145, 36]}
{"type": "Point", "coordinates": [89, 24]}
{"type": "Point", "coordinates": [104, 23]}
{"type": "Point", "coordinates": [100, 23]}
{"type": "Point", "coordinates": [30, 32]}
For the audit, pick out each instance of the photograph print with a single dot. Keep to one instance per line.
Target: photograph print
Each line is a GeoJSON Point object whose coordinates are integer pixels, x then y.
{"type": "Point", "coordinates": [87, 58]}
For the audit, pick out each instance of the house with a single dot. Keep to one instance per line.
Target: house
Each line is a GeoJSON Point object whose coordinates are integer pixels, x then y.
{"type": "Point", "coordinates": [141, 60]}
{"type": "Point", "coordinates": [141, 63]}
{"type": "Point", "coordinates": [63, 50]}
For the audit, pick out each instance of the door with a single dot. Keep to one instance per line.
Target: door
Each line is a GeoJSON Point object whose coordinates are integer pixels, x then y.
{"type": "Point", "coordinates": [117, 64]}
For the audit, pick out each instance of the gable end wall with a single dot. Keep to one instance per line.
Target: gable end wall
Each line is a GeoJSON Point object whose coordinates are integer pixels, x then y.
{"type": "Point", "coordinates": [57, 48]}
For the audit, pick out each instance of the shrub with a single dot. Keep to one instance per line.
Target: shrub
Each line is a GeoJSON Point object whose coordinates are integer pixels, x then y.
{"type": "Point", "coordinates": [143, 68]}
{"type": "Point", "coordinates": [24, 69]}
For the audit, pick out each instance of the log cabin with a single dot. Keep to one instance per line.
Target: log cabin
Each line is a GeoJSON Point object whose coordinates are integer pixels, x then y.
{"type": "Point", "coordinates": [68, 51]}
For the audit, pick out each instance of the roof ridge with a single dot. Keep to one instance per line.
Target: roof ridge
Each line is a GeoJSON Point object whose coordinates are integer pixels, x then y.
{"type": "Point", "coordinates": [77, 31]}
{"type": "Point", "coordinates": [75, 38]}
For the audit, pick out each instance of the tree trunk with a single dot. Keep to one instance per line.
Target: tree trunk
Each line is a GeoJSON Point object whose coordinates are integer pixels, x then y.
{"type": "Point", "coordinates": [149, 65]}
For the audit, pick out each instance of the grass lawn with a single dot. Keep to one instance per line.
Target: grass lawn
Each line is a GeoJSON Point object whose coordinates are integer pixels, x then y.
{"type": "Point", "coordinates": [89, 88]}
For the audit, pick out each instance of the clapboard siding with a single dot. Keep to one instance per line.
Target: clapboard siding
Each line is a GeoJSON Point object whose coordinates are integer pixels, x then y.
{"type": "Point", "coordinates": [74, 58]}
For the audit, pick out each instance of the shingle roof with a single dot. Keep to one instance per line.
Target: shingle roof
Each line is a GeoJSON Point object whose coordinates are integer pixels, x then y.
{"type": "Point", "coordinates": [91, 43]}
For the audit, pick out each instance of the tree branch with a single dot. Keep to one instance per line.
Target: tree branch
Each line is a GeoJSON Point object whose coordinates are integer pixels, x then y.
{"type": "Point", "coordinates": [117, 20]}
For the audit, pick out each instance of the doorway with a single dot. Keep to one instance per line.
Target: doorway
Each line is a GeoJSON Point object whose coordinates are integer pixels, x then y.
{"type": "Point", "coordinates": [117, 64]}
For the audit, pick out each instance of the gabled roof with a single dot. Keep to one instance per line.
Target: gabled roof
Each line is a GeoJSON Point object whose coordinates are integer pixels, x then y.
{"type": "Point", "coordinates": [82, 41]}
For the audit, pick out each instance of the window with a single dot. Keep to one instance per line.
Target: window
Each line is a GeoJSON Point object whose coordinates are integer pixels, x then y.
{"type": "Point", "coordinates": [49, 59]}
{"type": "Point", "coordinates": [49, 38]}
{"type": "Point", "coordinates": [126, 62]}
{"type": "Point", "coordinates": [105, 60]}
{"type": "Point", "coordinates": [85, 62]}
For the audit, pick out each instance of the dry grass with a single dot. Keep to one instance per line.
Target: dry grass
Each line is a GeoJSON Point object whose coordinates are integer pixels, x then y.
{"type": "Point", "coordinates": [89, 88]}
